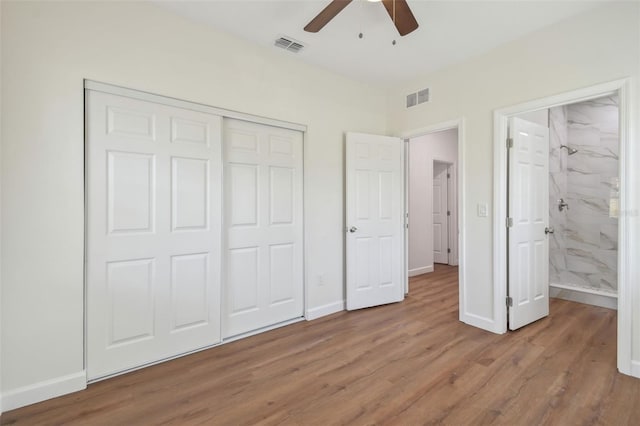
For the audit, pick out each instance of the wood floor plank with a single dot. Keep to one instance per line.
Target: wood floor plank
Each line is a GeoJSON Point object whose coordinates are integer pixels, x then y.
{"type": "Point", "coordinates": [407, 363]}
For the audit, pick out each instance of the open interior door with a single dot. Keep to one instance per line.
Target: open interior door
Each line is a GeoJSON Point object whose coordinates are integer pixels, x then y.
{"type": "Point", "coordinates": [374, 220]}
{"type": "Point", "coordinates": [528, 223]}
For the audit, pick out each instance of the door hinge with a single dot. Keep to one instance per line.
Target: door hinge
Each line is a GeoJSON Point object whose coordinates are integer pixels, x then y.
{"type": "Point", "coordinates": [448, 213]}
{"type": "Point", "coordinates": [509, 301]}
{"type": "Point", "coordinates": [448, 250]}
{"type": "Point", "coordinates": [509, 142]}
{"type": "Point", "coordinates": [448, 175]}
{"type": "Point", "coordinates": [509, 222]}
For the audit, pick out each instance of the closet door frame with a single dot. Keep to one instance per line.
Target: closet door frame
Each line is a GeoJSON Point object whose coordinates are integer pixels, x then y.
{"type": "Point", "coordinates": [224, 114]}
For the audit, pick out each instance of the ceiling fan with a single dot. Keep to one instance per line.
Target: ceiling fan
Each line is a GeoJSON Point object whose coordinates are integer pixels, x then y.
{"type": "Point", "coordinates": [398, 10]}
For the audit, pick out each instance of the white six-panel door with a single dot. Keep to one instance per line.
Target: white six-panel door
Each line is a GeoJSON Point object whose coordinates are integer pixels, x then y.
{"type": "Point", "coordinates": [153, 231]}
{"type": "Point", "coordinates": [263, 213]}
{"type": "Point", "coordinates": [529, 211]}
{"type": "Point", "coordinates": [374, 220]}
{"type": "Point", "coordinates": [440, 213]}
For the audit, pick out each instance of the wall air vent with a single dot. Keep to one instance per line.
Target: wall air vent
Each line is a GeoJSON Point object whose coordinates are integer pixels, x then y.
{"type": "Point", "coordinates": [411, 100]}
{"type": "Point", "coordinates": [287, 43]}
{"type": "Point", "coordinates": [423, 96]}
{"type": "Point", "coordinates": [417, 98]}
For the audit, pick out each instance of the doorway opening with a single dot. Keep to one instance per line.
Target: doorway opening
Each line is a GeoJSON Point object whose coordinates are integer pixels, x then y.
{"type": "Point", "coordinates": [583, 194]}
{"type": "Point", "coordinates": [503, 261]}
{"type": "Point", "coordinates": [433, 200]}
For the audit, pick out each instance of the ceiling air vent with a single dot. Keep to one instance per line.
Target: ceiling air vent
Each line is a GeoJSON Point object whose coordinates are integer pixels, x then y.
{"type": "Point", "coordinates": [289, 44]}
{"type": "Point", "coordinates": [418, 98]}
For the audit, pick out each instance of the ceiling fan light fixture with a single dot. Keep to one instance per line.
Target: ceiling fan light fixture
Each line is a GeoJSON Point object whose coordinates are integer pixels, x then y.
{"type": "Point", "coordinates": [398, 11]}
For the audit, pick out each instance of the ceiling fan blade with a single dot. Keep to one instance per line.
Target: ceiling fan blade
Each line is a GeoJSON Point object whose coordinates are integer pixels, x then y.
{"type": "Point", "coordinates": [327, 14]}
{"type": "Point", "coordinates": [404, 20]}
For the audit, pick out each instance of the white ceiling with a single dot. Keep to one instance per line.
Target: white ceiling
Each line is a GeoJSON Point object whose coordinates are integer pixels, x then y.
{"type": "Point", "coordinates": [450, 31]}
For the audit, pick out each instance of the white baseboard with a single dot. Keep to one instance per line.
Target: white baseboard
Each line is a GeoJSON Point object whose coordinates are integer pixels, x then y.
{"type": "Point", "coordinates": [420, 271]}
{"type": "Point", "coordinates": [41, 391]}
{"type": "Point", "coordinates": [601, 299]}
{"type": "Point", "coordinates": [635, 369]}
{"type": "Point", "coordinates": [324, 310]}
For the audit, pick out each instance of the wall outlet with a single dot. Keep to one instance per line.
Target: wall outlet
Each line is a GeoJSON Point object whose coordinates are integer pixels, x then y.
{"type": "Point", "coordinates": [483, 210]}
{"type": "Point", "coordinates": [320, 279]}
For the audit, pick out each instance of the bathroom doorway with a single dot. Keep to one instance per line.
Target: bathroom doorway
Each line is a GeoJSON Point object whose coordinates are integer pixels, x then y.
{"type": "Point", "coordinates": [584, 185]}
{"type": "Point", "coordinates": [618, 196]}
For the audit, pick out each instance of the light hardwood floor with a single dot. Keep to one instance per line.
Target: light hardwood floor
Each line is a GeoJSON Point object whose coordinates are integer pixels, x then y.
{"type": "Point", "coordinates": [405, 364]}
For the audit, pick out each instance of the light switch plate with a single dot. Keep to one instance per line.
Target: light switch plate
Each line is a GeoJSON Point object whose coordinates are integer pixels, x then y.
{"type": "Point", "coordinates": [483, 210]}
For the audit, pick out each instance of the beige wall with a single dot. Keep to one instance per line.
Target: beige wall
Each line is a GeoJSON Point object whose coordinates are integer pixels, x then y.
{"type": "Point", "coordinates": [47, 50]}
{"type": "Point", "coordinates": [598, 46]}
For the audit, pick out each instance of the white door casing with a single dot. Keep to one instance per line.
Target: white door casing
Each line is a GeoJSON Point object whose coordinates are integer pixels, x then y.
{"type": "Point", "coordinates": [440, 213]}
{"type": "Point", "coordinates": [374, 219]}
{"type": "Point", "coordinates": [263, 173]}
{"type": "Point", "coordinates": [528, 203]}
{"type": "Point", "coordinates": [153, 232]}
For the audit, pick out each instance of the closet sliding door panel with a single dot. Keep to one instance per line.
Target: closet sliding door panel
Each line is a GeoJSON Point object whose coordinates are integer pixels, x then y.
{"type": "Point", "coordinates": [154, 225]}
{"type": "Point", "coordinates": [263, 260]}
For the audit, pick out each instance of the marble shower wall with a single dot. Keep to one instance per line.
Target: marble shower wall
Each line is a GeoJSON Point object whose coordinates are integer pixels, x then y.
{"type": "Point", "coordinates": [583, 250]}
{"type": "Point", "coordinates": [558, 132]}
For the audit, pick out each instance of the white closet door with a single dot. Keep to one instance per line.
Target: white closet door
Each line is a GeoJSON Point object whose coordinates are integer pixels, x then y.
{"type": "Point", "coordinates": [153, 232]}
{"type": "Point", "coordinates": [263, 282]}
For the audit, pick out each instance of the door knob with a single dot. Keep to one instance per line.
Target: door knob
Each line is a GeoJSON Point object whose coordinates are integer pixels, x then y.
{"type": "Point", "coordinates": [353, 229]}
{"type": "Point", "coordinates": [548, 230]}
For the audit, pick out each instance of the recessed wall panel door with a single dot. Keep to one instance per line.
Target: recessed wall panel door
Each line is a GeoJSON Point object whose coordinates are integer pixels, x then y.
{"type": "Point", "coordinates": [154, 185]}
{"type": "Point", "coordinates": [263, 247]}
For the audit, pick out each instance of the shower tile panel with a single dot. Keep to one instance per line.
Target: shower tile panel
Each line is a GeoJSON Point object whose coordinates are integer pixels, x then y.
{"type": "Point", "coordinates": [558, 261]}
{"type": "Point", "coordinates": [580, 175]}
{"type": "Point", "coordinates": [610, 143]}
{"type": "Point", "coordinates": [589, 208]}
{"type": "Point", "coordinates": [609, 258]}
{"type": "Point", "coordinates": [599, 113]}
{"type": "Point", "coordinates": [583, 250]}
{"type": "Point", "coordinates": [581, 137]}
{"type": "Point", "coordinates": [578, 192]}
{"type": "Point", "coordinates": [580, 264]}
{"type": "Point", "coordinates": [574, 279]}
{"type": "Point", "coordinates": [609, 236]}
{"type": "Point", "coordinates": [583, 235]}
{"type": "Point", "coordinates": [557, 189]}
